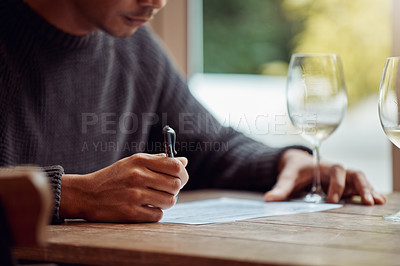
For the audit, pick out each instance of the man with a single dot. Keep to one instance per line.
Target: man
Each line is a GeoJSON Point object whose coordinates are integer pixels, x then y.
{"type": "Point", "coordinates": [84, 85]}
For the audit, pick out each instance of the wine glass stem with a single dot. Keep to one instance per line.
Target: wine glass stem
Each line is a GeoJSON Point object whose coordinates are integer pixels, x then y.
{"type": "Point", "coordinates": [316, 188]}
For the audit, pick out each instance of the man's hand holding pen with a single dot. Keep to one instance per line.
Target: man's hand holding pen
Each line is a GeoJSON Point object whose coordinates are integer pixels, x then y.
{"type": "Point", "coordinates": [134, 189]}
{"type": "Point", "coordinates": [124, 191]}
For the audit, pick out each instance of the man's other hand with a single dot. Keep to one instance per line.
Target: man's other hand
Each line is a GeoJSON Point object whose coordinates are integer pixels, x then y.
{"type": "Point", "coordinates": [296, 169]}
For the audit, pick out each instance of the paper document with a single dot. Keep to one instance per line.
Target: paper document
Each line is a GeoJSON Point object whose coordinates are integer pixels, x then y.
{"type": "Point", "coordinates": [228, 210]}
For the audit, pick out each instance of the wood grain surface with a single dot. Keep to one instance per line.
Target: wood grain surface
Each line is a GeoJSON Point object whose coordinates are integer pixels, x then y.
{"type": "Point", "coordinates": [352, 235]}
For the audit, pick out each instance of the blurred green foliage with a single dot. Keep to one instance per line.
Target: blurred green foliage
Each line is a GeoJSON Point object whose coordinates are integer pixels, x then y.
{"type": "Point", "coordinates": [259, 36]}
{"type": "Point", "coordinates": [242, 35]}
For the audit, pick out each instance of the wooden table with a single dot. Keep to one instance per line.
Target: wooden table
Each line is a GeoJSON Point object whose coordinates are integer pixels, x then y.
{"type": "Point", "coordinates": [352, 235]}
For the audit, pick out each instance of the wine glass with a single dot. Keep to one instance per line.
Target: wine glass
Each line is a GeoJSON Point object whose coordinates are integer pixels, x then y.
{"type": "Point", "coordinates": [316, 103]}
{"type": "Point", "coordinates": [389, 96]}
{"type": "Point", "coordinates": [388, 107]}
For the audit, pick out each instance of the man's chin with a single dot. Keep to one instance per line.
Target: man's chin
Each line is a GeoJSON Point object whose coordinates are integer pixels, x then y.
{"type": "Point", "coordinates": [120, 33]}
{"type": "Point", "coordinates": [127, 34]}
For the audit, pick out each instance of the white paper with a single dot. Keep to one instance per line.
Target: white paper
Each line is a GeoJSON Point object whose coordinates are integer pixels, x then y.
{"type": "Point", "coordinates": [228, 210]}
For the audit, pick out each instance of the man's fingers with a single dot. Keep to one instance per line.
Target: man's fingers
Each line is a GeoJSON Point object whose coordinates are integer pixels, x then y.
{"type": "Point", "coordinates": [296, 174]}
{"type": "Point", "coordinates": [147, 213]}
{"type": "Point", "coordinates": [161, 182]}
{"type": "Point", "coordinates": [175, 167]}
{"type": "Point", "coordinates": [283, 188]}
{"type": "Point", "coordinates": [337, 175]}
{"type": "Point", "coordinates": [363, 188]}
{"type": "Point", "coordinates": [170, 166]}
{"type": "Point", "coordinates": [275, 194]}
{"type": "Point", "coordinates": [183, 160]}
{"type": "Point", "coordinates": [156, 199]}
{"type": "Point", "coordinates": [378, 198]}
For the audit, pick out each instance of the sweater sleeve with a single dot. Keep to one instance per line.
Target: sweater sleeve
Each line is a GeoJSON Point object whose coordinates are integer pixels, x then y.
{"type": "Point", "coordinates": [219, 156]}
{"type": "Point", "coordinates": [54, 173]}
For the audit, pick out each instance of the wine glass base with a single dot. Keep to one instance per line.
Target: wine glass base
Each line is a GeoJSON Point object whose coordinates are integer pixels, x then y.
{"type": "Point", "coordinates": [314, 198]}
{"type": "Point", "coordinates": [395, 217]}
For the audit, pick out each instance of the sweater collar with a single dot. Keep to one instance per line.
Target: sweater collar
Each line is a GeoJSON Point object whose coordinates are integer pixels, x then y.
{"type": "Point", "coordinates": [39, 26]}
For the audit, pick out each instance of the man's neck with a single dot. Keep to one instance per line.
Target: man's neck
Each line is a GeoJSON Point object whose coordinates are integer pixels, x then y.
{"type": "Point", "coordinates": [63, 15]}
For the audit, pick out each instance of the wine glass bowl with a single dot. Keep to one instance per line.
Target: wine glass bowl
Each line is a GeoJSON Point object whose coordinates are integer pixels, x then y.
{"type": "Point", "coordinates": [389, 96]}
{"type": "Point", "coordinates": [316, 103]}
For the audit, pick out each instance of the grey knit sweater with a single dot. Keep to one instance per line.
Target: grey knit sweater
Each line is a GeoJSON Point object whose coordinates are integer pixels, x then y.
{"type": "Point", "coordinates": [82, 103]}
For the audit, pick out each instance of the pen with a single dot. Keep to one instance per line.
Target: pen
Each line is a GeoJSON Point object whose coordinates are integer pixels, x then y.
{"type": "Point", "coordinates": [169, 146]}
{"type": "Point", "coordinates": [169, 141]}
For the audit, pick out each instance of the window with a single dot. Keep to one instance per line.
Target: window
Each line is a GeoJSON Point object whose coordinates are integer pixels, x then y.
{"type": "Point", "coordinates": [238, 60]}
